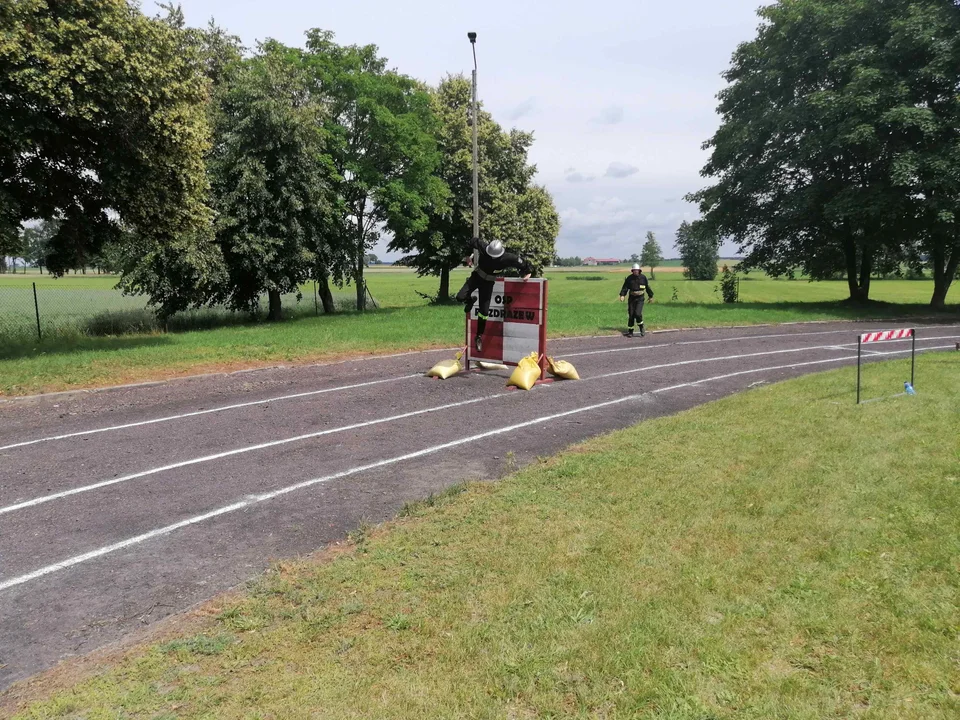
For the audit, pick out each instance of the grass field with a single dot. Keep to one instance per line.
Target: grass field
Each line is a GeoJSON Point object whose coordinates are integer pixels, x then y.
{"type": "Point", "coordinates": [583, 301]}
{"type": "Point", "coordinates": [781, 553]}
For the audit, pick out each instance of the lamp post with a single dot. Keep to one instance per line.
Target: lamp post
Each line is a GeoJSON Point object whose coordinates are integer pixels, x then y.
{"type": "Point", "coordinates": [476, 196]}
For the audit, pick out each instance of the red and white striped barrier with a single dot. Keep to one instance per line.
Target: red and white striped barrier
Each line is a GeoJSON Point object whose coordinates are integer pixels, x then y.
{"type": "Point", "coordinates": [881, 335]}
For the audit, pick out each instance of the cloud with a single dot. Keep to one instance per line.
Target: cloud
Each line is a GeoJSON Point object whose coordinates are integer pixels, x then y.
{"type": "Point", "coordinates": [524, 108]}
{"type": "Point", "coordinates": [621, 170]}
{"type": "Point", "coordinates": [579, 177]}
{"type": "Point", "coordinates": [611, 115]}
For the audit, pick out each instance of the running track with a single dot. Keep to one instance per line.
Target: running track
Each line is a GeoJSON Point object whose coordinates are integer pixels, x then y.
{"type": "Point", "coordinates": [121, 507]}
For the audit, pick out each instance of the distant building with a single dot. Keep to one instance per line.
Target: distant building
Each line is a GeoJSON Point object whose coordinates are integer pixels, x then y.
{"type": "Point", "coordinates": [600, 261]}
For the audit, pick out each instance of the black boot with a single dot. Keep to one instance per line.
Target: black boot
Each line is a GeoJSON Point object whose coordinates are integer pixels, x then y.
{"type": "Point", "coordinates": [629, 332]}
{"type": "Point", "coordinates": [642, 331]}
{"type": "Point", "coordinates": [478, 343]}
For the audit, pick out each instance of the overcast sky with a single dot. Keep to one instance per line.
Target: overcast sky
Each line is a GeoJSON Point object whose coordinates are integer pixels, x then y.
{"type": "Point", "coordinates": [619, 95]}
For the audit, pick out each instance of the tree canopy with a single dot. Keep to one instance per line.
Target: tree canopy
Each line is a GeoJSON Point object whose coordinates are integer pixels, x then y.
{"type": "Point", "coordinates": [513, 208]}
{"type": "Point", "coordinates": [651, 254]}
{"type": "Point", "coordinates": [102, 126]}
{"type": "Point", "coordinates": [698, 248]}
{"type": "Point", "coordinates": [839, 140]}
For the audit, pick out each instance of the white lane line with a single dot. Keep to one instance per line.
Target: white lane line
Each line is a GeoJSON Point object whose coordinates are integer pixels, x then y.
{"type": "Point", "coordinates": [255, 499]}
{"type": "Point", "coordinates": [731, 339]}
{"type": "Point", "coordinates": [701, 342]}
{"type": "Point", "coordinates": [356, 426]}
{"type": "Point", "coordinates": [794, 365]}
{"type": "Point", "coordinates": [207, 412]}
{"type": "Point", "coordinates": [227, 453]}
{"type": "Point", "coordinates": [236, 451]}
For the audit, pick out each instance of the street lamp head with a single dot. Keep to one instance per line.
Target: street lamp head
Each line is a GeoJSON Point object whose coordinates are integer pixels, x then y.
{"type": "Point", "coordinates": [472, 36]}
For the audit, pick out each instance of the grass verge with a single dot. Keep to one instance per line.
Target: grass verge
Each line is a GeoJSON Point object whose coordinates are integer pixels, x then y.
{"type": "Point", "coordinates": [781, 553]}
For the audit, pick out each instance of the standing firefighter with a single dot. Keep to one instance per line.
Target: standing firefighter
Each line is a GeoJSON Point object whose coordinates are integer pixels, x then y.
{"type": "Point", "coordinates": [638, 287]}
{"type": "Point", "coordinates": [490, 259]}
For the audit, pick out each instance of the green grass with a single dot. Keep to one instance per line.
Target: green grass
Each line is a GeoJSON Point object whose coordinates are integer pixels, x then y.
{"type": "Point", "coordinates": [782, 553]}
{"type": "Point", "coordinates": [73, 359]}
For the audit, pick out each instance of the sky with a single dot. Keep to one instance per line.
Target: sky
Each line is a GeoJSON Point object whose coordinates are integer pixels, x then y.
{"type": "Point", "coordinates": [620, 95]}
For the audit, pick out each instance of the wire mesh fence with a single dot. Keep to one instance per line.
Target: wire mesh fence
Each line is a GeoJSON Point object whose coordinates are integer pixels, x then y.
{"type": "Point", "coordinates": [45, 308]}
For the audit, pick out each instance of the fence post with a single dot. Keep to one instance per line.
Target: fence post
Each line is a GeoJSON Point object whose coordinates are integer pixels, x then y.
{"type": "Point", "coordinates": [36, 308]}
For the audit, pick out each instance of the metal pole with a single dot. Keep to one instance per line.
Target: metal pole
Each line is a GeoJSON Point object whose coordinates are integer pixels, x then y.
{"type": "Point", "coordinates": [475, 122]}
{"type": "Point", "coordinates": [316, 305]}
{"type": "Point", "coordinates": [913, 356]}
{"type": "Point", "coordinates": [858, 369]}
{"type": "Point", "coordinates": [36, 307]}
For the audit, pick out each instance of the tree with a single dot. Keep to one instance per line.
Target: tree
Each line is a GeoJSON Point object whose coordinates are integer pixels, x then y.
{"type": "Point", "coordinates": [698, 248]}
{"type": "Point", "coordinates": [924, 133]}
{"type": "Point", "coordinates": [512, 208]}
{"type": "Point", "coordinates": [11, 246]}
{"type": "Point", "coordinates": [102, 125]}
{"type": "Point", "coordinates": [269, 180]}
{"type": "Point", "coordinates": [826, 153]}
{"type": "Point", "coordinates": [380, 144]}
{"type": "Point", "coordinates": [372, 259]}
{"type": "Point", "coordinates": [36, 239]}
{"type": "Point", "coordinates": [651, 254]}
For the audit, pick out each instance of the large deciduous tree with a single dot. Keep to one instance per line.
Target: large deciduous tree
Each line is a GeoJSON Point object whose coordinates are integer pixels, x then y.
{"type": "Point", "coordinates": [269, 179]}
{"type": "Point", "coordinates": [102, 126]}
{"type": "Point", "coordinates": [381, 146]}
{"type": "Point", "coordinates": [837, 128]}
{"type": "Point", "coordinates": [513, 208]}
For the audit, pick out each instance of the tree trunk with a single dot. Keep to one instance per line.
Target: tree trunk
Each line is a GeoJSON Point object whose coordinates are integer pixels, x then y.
{"type": "Point", "coordinates": [857, 282]}
{"type": "Point", "coordinates": [326, 296]}
{"type": "Point", "coordinates": [361, 290]}
{"type": "Point", "coordinates": [443, 294]}
{"type": "Point", "coordinates": [866, 265]}
{"type": "Point", "coordinates": [275, 306]}
{"type": "Point", "coordinates": [944, 269]}
{"type": "Point", "coordinates": [358, 266]}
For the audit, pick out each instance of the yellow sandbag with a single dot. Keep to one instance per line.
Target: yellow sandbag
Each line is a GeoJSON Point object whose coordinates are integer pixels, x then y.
{"type": "Point", "coordinates": [562, 369]}
{"type": "Point", "coordinates": [446, 368]}
{"type": "Point", "coordinates": [526, 373]}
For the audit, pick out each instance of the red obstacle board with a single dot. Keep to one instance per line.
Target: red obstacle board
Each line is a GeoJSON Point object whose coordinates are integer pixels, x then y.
{"type": "Point", "coordinates": [516, 326]}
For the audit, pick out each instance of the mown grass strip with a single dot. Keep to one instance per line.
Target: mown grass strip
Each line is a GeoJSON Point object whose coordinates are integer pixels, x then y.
{"type": "Point", "coordinates": [782, 553]}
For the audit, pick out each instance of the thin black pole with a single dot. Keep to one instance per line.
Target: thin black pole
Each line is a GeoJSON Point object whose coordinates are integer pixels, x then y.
{"type": "Point", "coordinates": [858, 369]}
{"type": "Point", "coordinates": [36, 307]}
{"type": "Point", "coordinates": [316, 306]}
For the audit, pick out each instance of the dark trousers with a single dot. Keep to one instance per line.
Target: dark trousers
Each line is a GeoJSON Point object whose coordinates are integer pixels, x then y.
{"type": "Point", "coordinates": [485, 288]}
{"type": "Point", "coordinates": [635, 309]}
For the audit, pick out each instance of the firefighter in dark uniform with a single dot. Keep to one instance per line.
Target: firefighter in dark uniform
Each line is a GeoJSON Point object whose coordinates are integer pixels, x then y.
{"type": "Point", "coordinates": [638, 288]}
{"type": "Point", "coordinates": [487, 259]}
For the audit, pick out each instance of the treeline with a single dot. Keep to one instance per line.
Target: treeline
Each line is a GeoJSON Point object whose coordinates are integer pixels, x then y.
{"type": "Point", "coordinates": [839, 148]}
{"type": "Point", "coordinates": [209, 173]}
